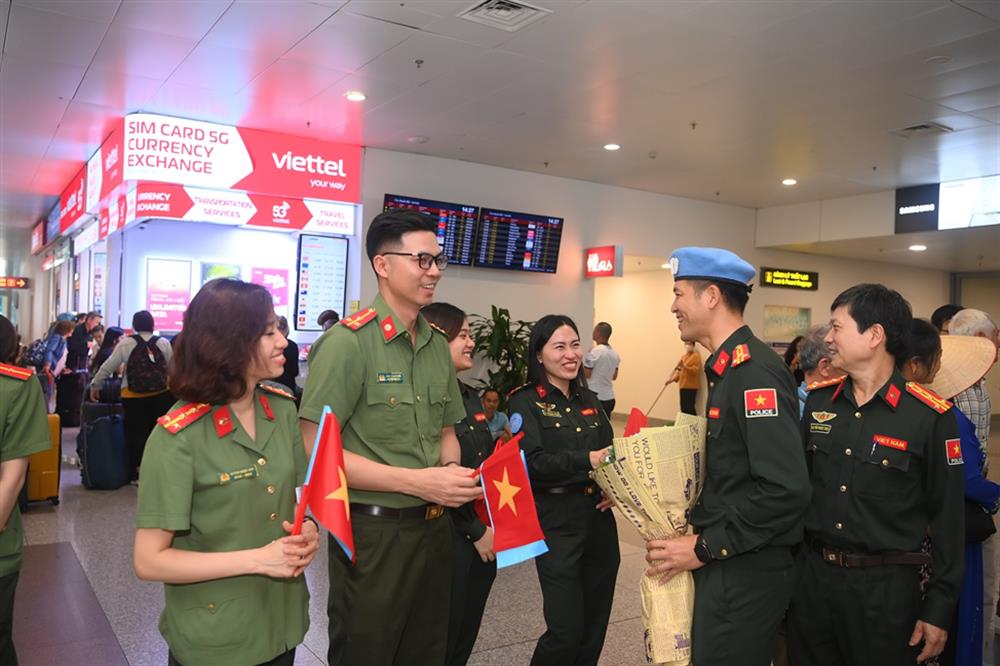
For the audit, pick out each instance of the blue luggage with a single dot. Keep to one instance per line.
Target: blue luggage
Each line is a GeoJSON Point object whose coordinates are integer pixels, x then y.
{"type": "Point", "coordinates": [101, 447]}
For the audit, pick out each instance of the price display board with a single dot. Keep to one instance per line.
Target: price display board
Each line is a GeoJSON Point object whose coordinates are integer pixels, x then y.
{"type": "Point", "coordinates": [456, 228]}
{"type": "Point", "coordinates": [321, 280]}
{"type": "Point", "coordinates": [518, 241]}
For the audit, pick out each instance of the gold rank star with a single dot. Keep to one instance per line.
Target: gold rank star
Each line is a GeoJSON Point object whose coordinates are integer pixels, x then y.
{"type": "Point", "coordinates": [341, 493]}
{"type": "Point", "coordinates": [507, 492]}
{"type": "Point", "coordinates": [760, 400]}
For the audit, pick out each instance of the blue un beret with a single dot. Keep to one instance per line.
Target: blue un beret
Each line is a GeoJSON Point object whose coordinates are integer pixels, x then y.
{"type": "Point", "coordinates": [710, 263]}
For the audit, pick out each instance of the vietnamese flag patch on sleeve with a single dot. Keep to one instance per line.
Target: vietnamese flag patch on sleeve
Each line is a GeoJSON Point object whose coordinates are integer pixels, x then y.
{"type": "Point", "coordinates": [953, 449]}
{"type": "Point", "coordinates": [760, 402]}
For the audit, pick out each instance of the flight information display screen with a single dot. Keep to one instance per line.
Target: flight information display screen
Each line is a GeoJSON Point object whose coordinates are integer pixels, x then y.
{"type": "Point", "coordinates": [518, 241]}
{"type": "Point", "coordinates": [456, 228]}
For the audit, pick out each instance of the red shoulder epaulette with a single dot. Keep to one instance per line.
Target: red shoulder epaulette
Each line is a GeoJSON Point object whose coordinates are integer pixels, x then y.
{"type": "Point", "coordinates": [438, 329]}
{"type": "Point", "coordinates": [359, 319]}
{"type": "Point", "coordinates": [14, 371]}
{"type": "Point", "coordinates": [519, 388]}
{"type": "Point", "coordinates": [183, 416]}
{"type": "Point", "coordinates": [741, 354]}
{"type": "Point", "coordinates": [928, 397]}
{"type": "Point", "coordinates": [826, 382]}
{"type": "Point", "coordinates": [276, 390]}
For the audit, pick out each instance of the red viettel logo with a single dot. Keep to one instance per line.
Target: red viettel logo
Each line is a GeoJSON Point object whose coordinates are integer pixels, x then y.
{"type": "Point", "coordinates": [601, 261]}
{"type": "Point", "coordinates": [309, 164]}
{"type": "Point", "coordinates": [111, 159]}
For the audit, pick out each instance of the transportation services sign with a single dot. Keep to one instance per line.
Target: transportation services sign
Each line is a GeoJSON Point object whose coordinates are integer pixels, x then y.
{"type": "Point", "coordinates": [787, 278]}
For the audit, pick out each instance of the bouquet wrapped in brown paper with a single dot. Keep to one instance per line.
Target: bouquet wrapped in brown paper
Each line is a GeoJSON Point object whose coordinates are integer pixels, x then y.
{"type": "Point", "coordinates": [654, 478]}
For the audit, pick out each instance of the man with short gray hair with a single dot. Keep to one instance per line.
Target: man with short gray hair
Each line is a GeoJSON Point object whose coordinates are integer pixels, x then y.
{"type": "Point", "coordinates": [976, 404]}
{"type": "Point", "coordinates": [814, 362]}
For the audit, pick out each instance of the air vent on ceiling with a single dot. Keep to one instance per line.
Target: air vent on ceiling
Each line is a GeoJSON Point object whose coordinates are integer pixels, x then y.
{"type": "Point", "coordinates": [509, 15]}
{"type": "Point", "coordinates": [922, 129]}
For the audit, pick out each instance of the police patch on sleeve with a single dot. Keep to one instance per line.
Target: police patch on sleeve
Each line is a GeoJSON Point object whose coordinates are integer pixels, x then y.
{"type": "Point", "coordinates": [760, 402]}
{"type": "Point", "coordinates": [516, 421]}
{"type": "Point", "coordinates": [953, 449]}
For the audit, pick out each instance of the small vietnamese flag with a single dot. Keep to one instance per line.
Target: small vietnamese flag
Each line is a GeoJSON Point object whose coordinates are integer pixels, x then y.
{"type": "Point", "coordinates": [325, 487]}
{"type": "Point", "coordinates": [636, 422]}
{"type": "Point", "coordinates": [510, 506]}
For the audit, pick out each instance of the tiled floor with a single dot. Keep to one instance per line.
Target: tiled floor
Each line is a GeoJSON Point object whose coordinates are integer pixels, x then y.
{"type": "Point", "coordinates": [92, 535]}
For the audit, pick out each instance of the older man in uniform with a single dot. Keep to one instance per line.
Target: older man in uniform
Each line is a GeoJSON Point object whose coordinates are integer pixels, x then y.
{"type": "Point", "coordinates": [749, 515]}
{"type": "Point", "coordinates": [886, 466]}
{"type": "Point", "coordinates": [389, 378]}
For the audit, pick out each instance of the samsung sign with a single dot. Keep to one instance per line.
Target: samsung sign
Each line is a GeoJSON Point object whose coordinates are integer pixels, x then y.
{"type": "Point", "coordinates": [917, 208]}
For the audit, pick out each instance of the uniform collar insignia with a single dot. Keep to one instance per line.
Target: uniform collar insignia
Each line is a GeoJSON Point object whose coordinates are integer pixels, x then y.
{"type": "Point", "coordinates": [721, 362]}
{"type": "Point", "coordinates": [389, 330]}
{"type": "Point", "coordinates": [268, 412]}
{"type": "Point", "coordinates": [891, 395]}
{"type": "Point", "coordinates": [223, 421]}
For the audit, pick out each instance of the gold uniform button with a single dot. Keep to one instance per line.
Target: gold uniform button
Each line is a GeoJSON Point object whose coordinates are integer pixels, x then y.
{"type": "Point", "coordinates": [273, 516]}
{"type": "Point", "coordinates": [418, 398]}
{"type": "Point", "coordinates": [725, 553]}
{"type": "Point", "coordinates": [857, 415]}
{"type": "Point", "coordinates": [579, 429]}
{"type": "Point", "coordinates": [261, 461]}
{"type": "Point", "coordinates": [843, 489]}
{"type": "Point", "coordinates": [270, 489]}
{"type": "Point", "coordinates": [558, 425]}
{"type": "Point", "coordinates": [711, 385]}
{"type": "Point", "coordinates": [885, 462]}
{"type": "Point", "coordinates": [210, 607]}
{"type": "Point", "coordinates": [567, 410]}
{"type": "Point", "coordinates": [847, 452]}
{"type": "Point", "coordinates": [392, 400]}
{"type": "Point", "coordinates": [839, 526]}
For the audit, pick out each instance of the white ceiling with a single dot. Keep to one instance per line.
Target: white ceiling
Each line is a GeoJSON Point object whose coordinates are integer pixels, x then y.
{"type": "Point", "coordinates": [807, 88]}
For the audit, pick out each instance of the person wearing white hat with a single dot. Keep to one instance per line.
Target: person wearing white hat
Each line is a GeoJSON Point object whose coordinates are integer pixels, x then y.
{"type": "Point", "coordinates": [948, 365]}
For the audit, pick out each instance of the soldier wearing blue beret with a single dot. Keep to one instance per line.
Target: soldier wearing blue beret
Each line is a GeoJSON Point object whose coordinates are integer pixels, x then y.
{"type": "Point", "coordinates": [750, 513]}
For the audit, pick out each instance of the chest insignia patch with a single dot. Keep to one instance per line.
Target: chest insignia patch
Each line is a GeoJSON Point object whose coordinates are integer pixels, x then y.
{"type": "Point", "coordinates": [823, 428]}
{"type": "Point", "coordinates": [714, 413]}
{"type": "Point", "coordinates": [549, 410]}
{"type": "Point", "coordinates": [238, 475]}
{"type": "Point", "coordinates": [823, 417]}
{"type": "Point", "coordinates": [389, 377]}
{"type": "Point", "coordinates": [893, 443]}
{"type": "Point", "coordinates": [953, 449]}
{"type": "Point", "coordinates": [516, 421]}
{"type": "Point", "coordinates": [760, 402]}
{"type": "Point", "coordinates": [589, 411]}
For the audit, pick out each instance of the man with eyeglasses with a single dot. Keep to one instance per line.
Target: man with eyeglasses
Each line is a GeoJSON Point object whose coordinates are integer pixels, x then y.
{"type": "Point", "coordinates": [388, 376]}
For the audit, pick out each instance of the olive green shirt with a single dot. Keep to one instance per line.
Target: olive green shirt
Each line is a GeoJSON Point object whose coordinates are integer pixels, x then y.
{"type": "Point", "coordinates": [559, 432]}
{"type": "Point", "coordinates": [885, 473]}
{"type": "Point", "coordinates": [392, 396]}
{"type": "Point", "coordinates": [221, 493]}
{"type": "Point", "coordinates": [476, 440]}
{"type": "Point", "coordinates": [24, 429]}
{"type": "Point", "coordinates": [756, 483]}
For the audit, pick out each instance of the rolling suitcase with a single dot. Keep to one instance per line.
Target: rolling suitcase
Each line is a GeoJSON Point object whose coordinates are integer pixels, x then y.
{"type": "Point", "coordinates": [44, 467]}
{"type": "Point", "coordinates": [70, 388]}
{"type": "Point", "coordinates": [101, 447]}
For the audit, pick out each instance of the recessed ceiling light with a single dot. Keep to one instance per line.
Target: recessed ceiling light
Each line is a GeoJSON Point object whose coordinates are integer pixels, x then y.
{"type": "Point", "coordinates": [938, 60]}
{"type": "Point", "coordinates": [355, 96]}
{"type": "Point", "coordinates": [789, 182]}
{"type": "Point", "coordinates": [611, 146]}
{"type": "Point", "coordinates": [918, 248]}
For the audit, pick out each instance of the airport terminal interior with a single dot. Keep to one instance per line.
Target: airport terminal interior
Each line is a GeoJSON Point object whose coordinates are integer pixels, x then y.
{"type": "Point", "coordinates": [566, 148]}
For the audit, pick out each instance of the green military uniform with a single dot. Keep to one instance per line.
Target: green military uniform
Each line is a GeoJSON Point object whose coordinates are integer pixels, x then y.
{"type": "Point", "coordinates": [392, 396]}
{"type": "Point", "coordinates": [218, 490]}
{"type": "Point", "coordinates": [471, 577]}
{"type": "Point", "coordinates": [577, 575]}
{"type": "Point", "coordinates": [24, 430]}
{"type": "Point", "coordinates": [750, 512]}
{"type": "Point", "coordinates": [883, 475]}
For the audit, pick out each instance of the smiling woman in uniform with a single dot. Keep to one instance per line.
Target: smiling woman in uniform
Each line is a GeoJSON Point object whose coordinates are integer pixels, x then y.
{"type": "Point", "coordinates": [566, 435]}
{"type": "Point", "coordinates": [218, 489]}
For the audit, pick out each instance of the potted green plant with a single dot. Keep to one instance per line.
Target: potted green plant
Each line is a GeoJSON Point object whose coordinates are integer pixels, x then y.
{"type": "Point", "coordinates": [504, 343]}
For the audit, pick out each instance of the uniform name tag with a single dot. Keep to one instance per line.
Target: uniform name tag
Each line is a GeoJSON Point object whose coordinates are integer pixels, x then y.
{"type": "Point", "coordinates": [892, 442]}
{"type": "Point", "coordinates": [953, 449]}
{"type": "Point", "coordinates": [714, 413]}
{"type": "Point", "coordinates": [389, 377]}
{"type": "Point", "coordinates": [590, 411]}
{"type": "Point", "coordinates": [824, 428]}
{"type": "Point", "coordinates": [481, 417]}
{"type": "Point", "coordinates": [238, 475]}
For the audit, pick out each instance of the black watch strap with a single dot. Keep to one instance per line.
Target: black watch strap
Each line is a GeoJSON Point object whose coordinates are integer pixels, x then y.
{"type": "Point", "coordinates": [702, 552]}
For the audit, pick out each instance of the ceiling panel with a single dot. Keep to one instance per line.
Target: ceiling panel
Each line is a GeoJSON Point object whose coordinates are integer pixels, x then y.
{"type": "Point", "coordinates": [217, 67]}
{"type": "Point", "coordinates": [420, 58]}
{"type": "Point", "coordinates": [288, 81]}
{"type": "Point", "coordinates": [983, 98]}
{"type": "Point", "coordinates": [98, 10]}
{"type": "Point", "coordinates": [69, 40]}
{"type": "Point", "coordinates": [267, 27]}
{"type": "Point", "coordinates": [45, 80]}
{"type": "Point", "coordinates": [955, 82]}
{"type": "Point", "coordinates": [346, 42]}
{"type": "Point", "coordinates": [190, 20]}
{"type": "Point", "coordinates": [116, 90]}
{"type": "Point", "coordinates": [412, 14]}
{"type": "Point", "coordinates": [141, 53]}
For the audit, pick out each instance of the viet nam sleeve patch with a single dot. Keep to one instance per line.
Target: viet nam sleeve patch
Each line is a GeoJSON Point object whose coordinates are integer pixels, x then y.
{"type": "Point", "coordinates": [953, 449]}
{"type": "Point", "coordinates": [760, 402]}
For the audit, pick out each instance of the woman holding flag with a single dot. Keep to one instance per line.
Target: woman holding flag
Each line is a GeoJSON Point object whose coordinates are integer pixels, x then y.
{"type": "Point", "coordinates": [566, 436]}
{"type": "Point", "coordinates": [474, 566]}
{"type": "Point", "coordinates": [218, 490]}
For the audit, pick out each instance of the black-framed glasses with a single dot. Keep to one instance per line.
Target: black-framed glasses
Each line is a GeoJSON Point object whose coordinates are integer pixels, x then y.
{"type": "Point", "coordinates": [425, 259]}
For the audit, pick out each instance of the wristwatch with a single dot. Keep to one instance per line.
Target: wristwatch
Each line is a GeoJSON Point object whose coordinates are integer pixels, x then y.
{"type": "Point", "coordinates": [702, 552]}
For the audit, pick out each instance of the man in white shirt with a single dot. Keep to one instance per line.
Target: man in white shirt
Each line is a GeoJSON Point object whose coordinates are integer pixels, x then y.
{"type": "Point", "coordinates": [600, 366]}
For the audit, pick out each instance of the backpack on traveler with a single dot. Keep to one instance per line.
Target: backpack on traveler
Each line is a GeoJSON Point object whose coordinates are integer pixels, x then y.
{"type": "Point", "coordinates": [34, 355]}
{"type": "Point", "coordinates": [146, 368]}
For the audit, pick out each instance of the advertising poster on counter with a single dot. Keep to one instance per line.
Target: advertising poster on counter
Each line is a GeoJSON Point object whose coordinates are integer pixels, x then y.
{"type": "Point", "coordinates": [211, 271]}
{"type": "Point", "coordinates": [275, 280]}
{"type": "Point", "coordinates": [168, 291]}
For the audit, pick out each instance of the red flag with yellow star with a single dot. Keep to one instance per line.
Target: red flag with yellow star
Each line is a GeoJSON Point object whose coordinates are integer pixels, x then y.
{"type": "Point", "coordinates": [510, 506]}
{"type": "Point", "coordinates": [325, 488]}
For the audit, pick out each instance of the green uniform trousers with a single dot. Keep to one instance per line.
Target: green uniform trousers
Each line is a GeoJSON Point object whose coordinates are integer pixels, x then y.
{"type": "Point", "coordinates": [738, 607]}
{"type": "Point", "coordinates": [853, 617]}
{"type": "Point", "coordinates": [391, 608]}
{"type": "Point", "coordinates": [577, 577]}
{"type": "Point", "coordinates": [8, 583]}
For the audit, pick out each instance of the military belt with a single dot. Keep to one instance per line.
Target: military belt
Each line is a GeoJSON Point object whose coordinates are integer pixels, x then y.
{"type": "Point", "coordinates": [574, 489]}
{"type": "Point", "coordinates": [422, 512]}
{"type": "Point", "coordinates": [850, 560]}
